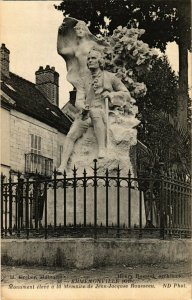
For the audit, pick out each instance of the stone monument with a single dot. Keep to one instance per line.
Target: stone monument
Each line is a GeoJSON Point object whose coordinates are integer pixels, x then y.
{"type": "Point", "coordinates": [104, 129]}
{"type": "Point", "coordinates": [105, 125]}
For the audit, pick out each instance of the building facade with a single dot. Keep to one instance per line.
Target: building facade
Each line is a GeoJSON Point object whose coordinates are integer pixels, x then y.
{"type": "Point", "coordinates": [33, 128]}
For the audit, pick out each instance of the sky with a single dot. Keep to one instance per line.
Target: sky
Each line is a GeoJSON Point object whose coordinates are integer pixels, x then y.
{"type": "Point", "coordinates": [29, 30]}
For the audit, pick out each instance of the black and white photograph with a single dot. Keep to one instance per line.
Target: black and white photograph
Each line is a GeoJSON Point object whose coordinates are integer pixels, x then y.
{"type": "Point", "coordinates": [96, 149]}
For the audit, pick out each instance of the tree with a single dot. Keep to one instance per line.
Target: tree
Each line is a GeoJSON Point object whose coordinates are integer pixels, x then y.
{"type": "Point", "coordinates": [162, 87]}
{"type": "Point", "coordinates": [158, 130]}
{"type": "Point", "coordinates": [163, 20]}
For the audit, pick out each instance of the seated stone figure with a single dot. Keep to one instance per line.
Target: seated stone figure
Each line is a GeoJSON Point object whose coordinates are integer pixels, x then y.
{"type": "Point", "coordinates": [100, 86]}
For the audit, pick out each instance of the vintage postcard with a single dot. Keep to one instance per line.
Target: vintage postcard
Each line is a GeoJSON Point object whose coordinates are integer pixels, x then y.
{"type": "Point", "coordinates": [95, 149]}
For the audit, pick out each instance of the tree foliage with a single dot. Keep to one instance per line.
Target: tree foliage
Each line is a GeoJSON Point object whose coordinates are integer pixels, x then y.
{"type": "Point", "coordinates": [163, 21]}
{"type": "Point", "coordinates": [162, 87]}
{"type": "Point", "coordinates": [157, 113]}
{"type": "Point", "coordinates": [166, 143]}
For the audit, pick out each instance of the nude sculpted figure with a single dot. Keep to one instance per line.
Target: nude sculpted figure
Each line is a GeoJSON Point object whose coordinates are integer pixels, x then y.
{"type": "Point", "coordinates": [74, 43]}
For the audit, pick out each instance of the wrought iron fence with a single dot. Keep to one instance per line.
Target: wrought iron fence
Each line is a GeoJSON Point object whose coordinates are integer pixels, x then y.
{"type": "Point", "coordinates": [97, 205]}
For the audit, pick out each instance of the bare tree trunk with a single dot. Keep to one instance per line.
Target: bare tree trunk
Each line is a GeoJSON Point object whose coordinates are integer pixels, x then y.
{"type": "Point", "coordinates": [183, 85]}
{"type": "Point", "coordinates": [184, 13]}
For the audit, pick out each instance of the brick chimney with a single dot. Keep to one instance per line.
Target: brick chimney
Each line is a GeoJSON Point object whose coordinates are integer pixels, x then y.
{"type": "Point", "coordinates": [47, 82]}
{"type": "Point", "coordinates": [4, 53]}
{"type": "Point", "coordinates": [72, 97]}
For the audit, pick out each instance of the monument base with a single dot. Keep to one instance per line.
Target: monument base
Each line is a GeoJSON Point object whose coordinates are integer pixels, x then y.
{"type": "Point", "coordinates": [101, 206]}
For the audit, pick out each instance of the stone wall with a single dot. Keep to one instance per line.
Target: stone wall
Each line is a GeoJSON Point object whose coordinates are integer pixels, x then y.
{"type": "Point", "coordinates": [5, 141]}
{"type": "Point", "coordinates": [86, 253]}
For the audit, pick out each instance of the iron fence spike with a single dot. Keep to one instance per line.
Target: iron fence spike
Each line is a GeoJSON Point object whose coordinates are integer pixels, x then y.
{"type": "Point", "coordinates": [184, 178]}
{"type": "Point", "coordinates": [151, 170]}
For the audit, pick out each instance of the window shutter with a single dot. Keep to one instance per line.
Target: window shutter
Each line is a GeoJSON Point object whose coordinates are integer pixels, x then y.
{"type": "Point", "coordinates": [60, 153]}
{"type": "Point", "coordinates": [39, 145]}
{"type": "Point", "coordinates": [35, 144]}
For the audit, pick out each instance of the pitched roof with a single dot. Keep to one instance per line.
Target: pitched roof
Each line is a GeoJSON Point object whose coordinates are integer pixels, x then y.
{"type": "Point", "coordinates": [30, 101]}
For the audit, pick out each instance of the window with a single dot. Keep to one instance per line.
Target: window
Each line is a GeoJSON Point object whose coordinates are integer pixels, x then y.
{"type": "Point", "coordinates": [36, 164]}
{"type": "Point", "coordinates": [60, 153]}
{"type": "Point", "coordinates": [35, 144]}
{"type": "Point", "coordinates": [35, 161]}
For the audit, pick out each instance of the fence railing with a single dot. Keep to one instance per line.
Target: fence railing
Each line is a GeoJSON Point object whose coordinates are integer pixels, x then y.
{"type": "Point", "coordinates": [97, 205]}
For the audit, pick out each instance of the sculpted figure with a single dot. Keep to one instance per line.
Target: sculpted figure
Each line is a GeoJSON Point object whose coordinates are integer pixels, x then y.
{"type": "Point", "coordinates": [74, 43]}
{"type": "Point", "coordinates": [101, 85]}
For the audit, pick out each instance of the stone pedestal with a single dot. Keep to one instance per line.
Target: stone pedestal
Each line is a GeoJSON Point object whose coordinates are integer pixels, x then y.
{"type": "Point", "coordinates": [101, 206]}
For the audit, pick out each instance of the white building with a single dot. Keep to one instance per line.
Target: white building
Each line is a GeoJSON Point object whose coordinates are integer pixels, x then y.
{"type": "Point", "coordinates": [33, 128]}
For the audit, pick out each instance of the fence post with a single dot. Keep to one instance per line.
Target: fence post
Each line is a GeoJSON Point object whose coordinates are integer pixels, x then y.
{"type": "Point", "coordinates": [65, 197]}
{"type": "Point", "coordinates": [107, 198]}
{"type": "Point", "coordinates": [2, 186]}
{"type": "Point", "coordinates": [179, 201]}
{"type": "Point", "coordinates": [45, 193]}
{"type": "Point", "coordinates": [18, 204]}
{"type": "Point", "coordinates": [129, 199]}
{"type": "Point", "coordinates": [188, 205]}
{"type": "Point", "coordinates": [118, 200]}
{"type": "Point", "coordinates": [21, 203]}
{"type": "Point", "coordinates": [55, 198]}
{"type": "Point", "coordinates": [162, 231]}
{"type": "Point", "coordinates": [183, 190]}
{"type": "Point", "coordinates": [10, 204]}
{"type": "Point", "coordinates": [36, 196]}
{"type": "Point", "coordinates": [6, 200]}
{"type": "Point", "coordinates": [85, 195]}
{"type": "Point", "coordinates": [74, 194]}
{"type": "Point", "coordinates": [166, 202]}
{"type": "Point", "coordinates": [151, 183]}
{"type": "Point", "coordinates": [27, 207]}
{"type": "Point", "coordinates": [31, 206]}
{"type": "Point", "coordinates": [140, 214]}
{"type": "Point", "coordinates": [169, 208]}
{"type": "Point", "coordinates": [188, 208]}
{"type": "Point", "coordinates": [95, 195]}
